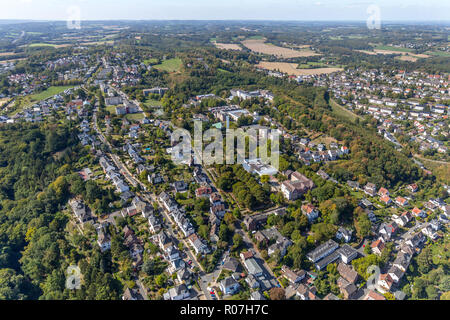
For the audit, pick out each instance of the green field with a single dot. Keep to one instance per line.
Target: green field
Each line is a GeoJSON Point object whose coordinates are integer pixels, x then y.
{"type": "Point", "coordinates": [341, 112]}
{"type": "Point", "coordinates": [50, 92]}
{"type": "Point", "coordinates": [152, 103]}
{"type": "Point", "coordinates": [150, 61]}
{"type": "Point", "coordinates": [42, 45]}
{"type": "Point", "coordinates": [393, 48]}
{"type": "Point", "coordinates": [135, 116]}
{"type": "Point", "coordinates": [31, 99]}
{"type": "Point", "coordinates": [171, 65]}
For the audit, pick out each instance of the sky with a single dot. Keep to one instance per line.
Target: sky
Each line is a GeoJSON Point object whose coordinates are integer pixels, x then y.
{"type": "Point", "coordinates": [356, 10]}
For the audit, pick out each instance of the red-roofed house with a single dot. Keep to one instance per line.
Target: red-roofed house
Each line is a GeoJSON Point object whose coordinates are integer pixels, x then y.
{"type": "Point", "coordinates": [401, 201]}
{"type": "Point", "coordinates": [377, 247]}
{"type": "Point", "coordinates": [386, 200]}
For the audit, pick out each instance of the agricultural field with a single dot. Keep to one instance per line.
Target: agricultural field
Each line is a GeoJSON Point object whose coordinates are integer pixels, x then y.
{"type": "Point", "coordinates": [171, 65]}
{"type": "Point", "coordinates": [391, 48]}
{"type": "Point", "coordinates": [260, 46]}
{"type": "Point", "coordinates": [291, 68]}
{"type": "Point", "coordinates": [227, 46]}
{"type": "Point", "coordinates": [405, 55]}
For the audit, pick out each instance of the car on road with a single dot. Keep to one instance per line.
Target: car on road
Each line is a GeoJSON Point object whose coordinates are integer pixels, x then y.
{"type": "Point", "coordinates": [190, 262]}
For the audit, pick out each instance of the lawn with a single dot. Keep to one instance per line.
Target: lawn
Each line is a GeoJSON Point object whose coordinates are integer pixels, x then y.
{"type": "Point", "coordinates": [135, 116]}
{"type": "Point", "coordinates": [152, 103]}
{"type": "Point", "coordinates": [171, 65]}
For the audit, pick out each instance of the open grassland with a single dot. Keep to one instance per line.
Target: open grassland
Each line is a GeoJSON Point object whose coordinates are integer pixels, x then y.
{"type": "Point", "coordinates": [171, 65]}
{"type": "Point", "coordinates": [342, 112]}
{"type": "Point", "coordinates": [33, 98]}
{"type": "Point", "coordinates": [259, 46]}
{"type": "Point", "coordinates": [291, 68]}
{"type": "Point", "coordinates": [227, 46]}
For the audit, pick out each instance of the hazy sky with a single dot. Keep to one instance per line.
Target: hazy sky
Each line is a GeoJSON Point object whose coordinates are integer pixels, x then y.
{"type": "Point", "coordinates": [224, 9]}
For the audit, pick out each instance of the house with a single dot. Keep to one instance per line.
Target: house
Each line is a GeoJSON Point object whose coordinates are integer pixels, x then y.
{"type": "Point", "coordinates": [383, 192]}
{"type": "Point", "coordinates": [310, 212]}
{"type": "Point", "coordinates": [164, 241]}
{"type": "Point", "coordinates": [429, 232]}
{"type": "Point", "coordinates": [386, 200]}
{"type": "Point", "coordinates": [293, 277]}
{"type": "Point", "coordinates": [401, 201]}
{"type": "Point", "coordinates": [347, 273]}
{"type": "Point", "coordinates": [413, 187]}
{"type": "Point", "coordinates": [416, 240]}
{"type": "Point", "coordinates": [246, 255]}
{"type": "Point", "coordinates": [377, 247]}
{"type": "Point", "coordinates": [395, 273]}
{"type": "Point", "coordinates": [254, 222]}
{"type": "Point", "coordinates": [385, 283]}
{"type": "Point", "coordinates": [405, 248]}
{"type": "Point", "coordinates": [204, 191]}
{"type": "Point", "coordinates": [218, 210]}
{"type": "Point", "coordinates": [231, 265]}
{"type": "Point", "coordinates": [154, 224]}
{"type": "Point", "coordinates": [370, 189]}
{"type": "Point", "coordinates": [104, 241]}
{"type": "Point", "coordinates": [304, 292]}
{"type": "Point", "coordinates": [347, 289]}
{"type": "Point", "coordinates": [229, 286]}
{"type": "Point", "coordinates": [180, 292]}
{"type": "Point", "coordinates": [344, 234]}
{"type": "Point", "coordinates": [402, 261]}
{"type": "Point", "coordinates": [418, 212]}
{"type": "Point", "coordinates": [372, 295]}
{"type": "Point", "coordinates": [198, 245]}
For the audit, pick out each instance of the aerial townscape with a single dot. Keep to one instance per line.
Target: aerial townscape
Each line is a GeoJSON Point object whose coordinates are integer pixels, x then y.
{"type": "Point", "coordinates": [357, 207]}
